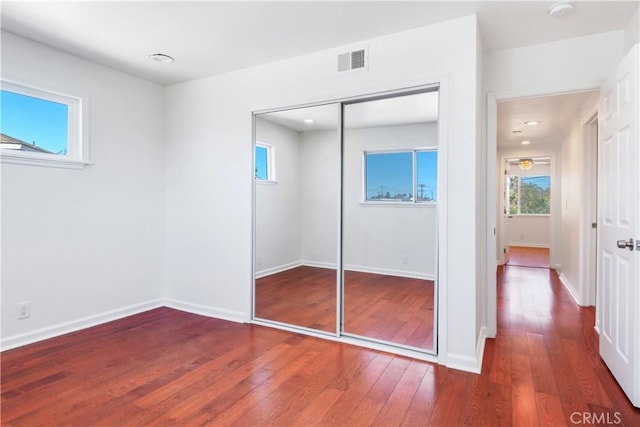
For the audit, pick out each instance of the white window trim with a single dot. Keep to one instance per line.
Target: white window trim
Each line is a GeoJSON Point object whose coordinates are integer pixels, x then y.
{"type": "Point", "coordinates": [77, 156]}
{"type": "Point", "coordinates": [412, 203]}
{"type": "Point", "coordinates": [271, 164]}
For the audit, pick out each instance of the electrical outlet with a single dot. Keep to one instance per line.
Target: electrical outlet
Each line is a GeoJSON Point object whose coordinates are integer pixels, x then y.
{"type": "Point", "coordinates": [405, 259]}
{"type": "Point", "coordinates": [259, 259]}
{"type": "Point", "coordinates": [24, 310]}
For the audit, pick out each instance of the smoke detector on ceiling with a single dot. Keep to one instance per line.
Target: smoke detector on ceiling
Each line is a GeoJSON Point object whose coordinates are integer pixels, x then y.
{"type": "Point", "coordinates": [561, 9]}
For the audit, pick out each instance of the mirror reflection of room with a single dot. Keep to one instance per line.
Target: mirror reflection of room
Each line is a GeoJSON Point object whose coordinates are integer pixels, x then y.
{"type": "Point", "coordinates": [390, 158]}
{"type": "Point", "coordinates": [297, 167]}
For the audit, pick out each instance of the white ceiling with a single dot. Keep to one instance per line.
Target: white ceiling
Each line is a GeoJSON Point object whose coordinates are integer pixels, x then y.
{"type": "Point", "coordinates": [400, 110]}
{"type": "Point", "coordinates": [554, 112]}
{"type": "Point", "coordinates": [212, 37]}
{"type": "Point", "coordinates": [208, 38]}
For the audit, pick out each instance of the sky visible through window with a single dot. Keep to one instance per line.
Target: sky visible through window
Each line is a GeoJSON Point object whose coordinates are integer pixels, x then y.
{"type": "Point", "coordinates": [34, 120]}
{"type": "Point", "coordinates": [390, 176]}
{"type": "Point", "coordinates": [543, 182]}
{"type": "Point", "coordinates": [261, 163]}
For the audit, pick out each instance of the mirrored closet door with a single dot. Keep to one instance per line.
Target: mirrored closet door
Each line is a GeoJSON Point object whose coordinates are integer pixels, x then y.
{"type": "Point", "coordinates": [389, 214]}
{"type": "Point", "coordinates": [297, 197]}
{"type": "Point", "coordinates": [346, 236]}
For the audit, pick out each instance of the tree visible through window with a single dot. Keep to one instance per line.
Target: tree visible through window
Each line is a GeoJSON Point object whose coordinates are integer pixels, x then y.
{"type": "Point", "coordinates": [404, 176]}
{"type": "Point", "coordinates": [529, 195]}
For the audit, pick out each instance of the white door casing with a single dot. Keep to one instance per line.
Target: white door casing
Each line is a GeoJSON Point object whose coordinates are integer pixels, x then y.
{"type": "Point", "coordinates": [618, 286]}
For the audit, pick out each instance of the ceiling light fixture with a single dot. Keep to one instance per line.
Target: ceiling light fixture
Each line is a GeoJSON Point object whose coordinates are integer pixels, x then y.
{"type": "Point", "coordinates": [516, 131]}
{"type": "Point", "coordinates": [532, 123]}
{"type": "Point", "coordinates": [161, 57]}
{"type": "Point", "coordinates": [526, 142]}
{"type": "Point", "coordinates": [525, 164]}
{"type": "Point", "coordinates": [560, 9]}
{"type": "Point", "coordinates": [308, 121]}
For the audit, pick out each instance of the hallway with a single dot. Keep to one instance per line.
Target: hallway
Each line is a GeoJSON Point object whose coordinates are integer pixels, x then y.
{"type": "Point", "coordinates": [546, 355]}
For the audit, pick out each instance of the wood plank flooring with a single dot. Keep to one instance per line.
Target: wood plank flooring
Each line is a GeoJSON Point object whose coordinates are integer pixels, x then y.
{"type": "Point", "coordinates": [524, 256]}
{"type": "Point", "coordinates": [166, 367]}
{"type": "Point", "coordinates": [389, 308]}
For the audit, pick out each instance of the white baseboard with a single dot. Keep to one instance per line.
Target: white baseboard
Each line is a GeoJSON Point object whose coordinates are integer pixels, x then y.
{"type": "Point", "coordinates": [358, 268]}
{"type": "Point", "coordinates": [318, 264]}
{"type": "Point", "coordinates": [466, 363]}
{"type": "Point", "coordinates": [569, 287]}
{"type": "Point", "coordinates": [529, 245]}
{"type": "Point", "coordinates": [20, 340]}
{"type": "Point", "coordinates": [390, 272]}
{"type": "Point", "coordinates": [205, 310]}
{"type": "Point", "coordinates": [277, 269]}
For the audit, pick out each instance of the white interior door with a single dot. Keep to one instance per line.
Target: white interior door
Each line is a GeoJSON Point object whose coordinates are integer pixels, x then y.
{"type": "Point", "coordinates": [618, 295]}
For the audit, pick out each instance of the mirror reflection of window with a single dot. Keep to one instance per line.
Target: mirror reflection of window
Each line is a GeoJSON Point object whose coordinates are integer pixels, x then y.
{"type": "Point", "coordinates": [297, 216]}
{"type": "Point", "coordinates": [389, 176]}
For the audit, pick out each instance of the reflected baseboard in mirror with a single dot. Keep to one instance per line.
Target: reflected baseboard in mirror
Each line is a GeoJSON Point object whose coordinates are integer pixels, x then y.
{"type": "Point", "coordinates": [302, 296]}
{"type": "Point", "coordinates": [389, 308]}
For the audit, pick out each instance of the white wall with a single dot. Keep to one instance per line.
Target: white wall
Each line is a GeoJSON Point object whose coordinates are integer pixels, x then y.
{"type": "Point", "coordinates": [320, 197]}
{"type": "Point", "coordinates": [278, 238]}
{"type": "Point", "coordinates": [529, 231]}
{"type": "Point", "coordinates": [579, 63]}
{"type": "Point", "coordinates": [632, 32]}
{"type": "Point", "coordinates": [208, 239]}
{"type": "Point", "coordinates": [84, 246]}
{"type": "Point", "coordinates": [575, 186]}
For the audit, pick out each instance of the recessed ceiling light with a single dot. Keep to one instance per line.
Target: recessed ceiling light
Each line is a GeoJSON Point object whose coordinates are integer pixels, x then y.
{"type": "Point", "coordinates": [532, 123]}
{"type": "Point", "coordinates": [308, 121]}
{"type": "Point", "coordinates": [526, 142]}
{"type": "Point", "coordinates": [161, 57]}
{"type": "Point", "coordinates": [560, 9]}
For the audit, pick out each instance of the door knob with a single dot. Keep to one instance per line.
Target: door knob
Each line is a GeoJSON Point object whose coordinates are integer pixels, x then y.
{"type": "Point", "coordinates": [623, 244]}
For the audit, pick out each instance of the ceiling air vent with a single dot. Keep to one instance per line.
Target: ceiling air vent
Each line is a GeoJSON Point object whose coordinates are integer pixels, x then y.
{"type": "Point", "coordinates": [352, 60]}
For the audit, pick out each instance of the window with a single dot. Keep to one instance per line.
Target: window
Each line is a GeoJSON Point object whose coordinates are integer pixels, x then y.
{"type": "Point", "coordinates": [529, 195]}
{"type": "Point", "coordinates": [401, 176]}
{"type": "Point", "coordinates": [40, 127]}
{"type": "Point", "coordinates": [264, 165]}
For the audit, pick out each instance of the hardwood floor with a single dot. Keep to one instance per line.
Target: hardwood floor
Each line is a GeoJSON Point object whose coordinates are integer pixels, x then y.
{"type": "Point", "coordinates": [524, 256]}
{"type": "Point", "coordinates": [389, 308]}
{"type": "Point", "coordinates": [166, 367]}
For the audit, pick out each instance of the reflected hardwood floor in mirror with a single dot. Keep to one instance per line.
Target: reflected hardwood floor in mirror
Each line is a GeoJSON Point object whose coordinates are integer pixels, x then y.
{"type": "Point", "coordinates": [389, 308]}
{"type": "Point", "coordinates": [303, 296]}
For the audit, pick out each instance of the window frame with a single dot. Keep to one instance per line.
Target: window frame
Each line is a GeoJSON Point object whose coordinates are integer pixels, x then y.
{"type": "Point", "coordinates": [77, 155]}
{"type": "Point", "coordinates": [508, 195]}
{"type": "Point", "coordinates": [414, 178]}
{"type": "Point", "coordinates": [271, 167]}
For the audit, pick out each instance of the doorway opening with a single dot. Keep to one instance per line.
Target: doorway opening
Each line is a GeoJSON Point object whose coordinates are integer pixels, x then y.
{"type": "Point", "coordinates": [544, 125]}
